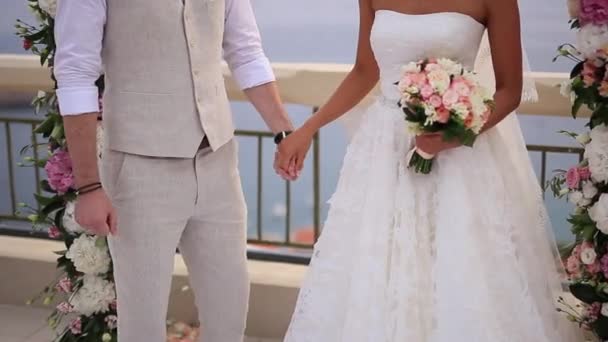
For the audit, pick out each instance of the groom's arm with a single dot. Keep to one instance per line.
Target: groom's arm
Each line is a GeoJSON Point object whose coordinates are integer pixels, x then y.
{"type": "Point", "coordinates": [250, 66]}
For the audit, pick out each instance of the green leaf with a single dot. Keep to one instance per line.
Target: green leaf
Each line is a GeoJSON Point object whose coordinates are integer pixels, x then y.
{"type": "Point", "coordinates": [47, 126]}
{"type": "Point", "coordinates": [101, 242]}
{"type": "Point", "coordinates": [601, 327]}
{"type": "Point", "coordinates": [58, 133]}
{"type": "Point", "coordinates": [585, 293]}
{"type": "Point", "coordinates": [44, 201]}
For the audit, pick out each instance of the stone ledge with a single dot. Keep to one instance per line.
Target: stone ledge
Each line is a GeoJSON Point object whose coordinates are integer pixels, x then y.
{"type": "Point", "coordinates": [29, 264]}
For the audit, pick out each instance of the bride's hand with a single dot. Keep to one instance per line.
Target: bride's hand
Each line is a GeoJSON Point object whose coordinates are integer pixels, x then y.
{"type": "Point", "coordinates": [433, 143]}
{"type": "Point", "coordinates": [292, 151]}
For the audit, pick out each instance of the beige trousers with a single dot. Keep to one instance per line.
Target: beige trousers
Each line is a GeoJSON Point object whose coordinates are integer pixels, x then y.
{"type": "Point", "coordinates": [196, 205]}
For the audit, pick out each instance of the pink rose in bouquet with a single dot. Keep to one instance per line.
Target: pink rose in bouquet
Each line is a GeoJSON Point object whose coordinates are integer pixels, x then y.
{"type": "Point", "coordinates": [573, 178]}
{"type": "Point", "coordinates": [440, 95]}
{"type": "Point", "coordinates": [59, 171]}
{"type": "Point", "coordinates": [593, 12]}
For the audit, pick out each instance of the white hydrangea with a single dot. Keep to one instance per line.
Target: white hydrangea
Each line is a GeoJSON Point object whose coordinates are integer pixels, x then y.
{"type": "Point", "coordinates": [591, 38]}
{"type": "Point", "coordinates": [89, 257]}
{"type": "Point", "coordinates": [460, 109]}
{"type": "Point", "coordinates": [69, 219]}
{"type": "Point", "coordinates": [596, 152]}
{"type": "Point", "coordinates": [599, 213]}
{"type": "Point", "coordinates": [49, 6]}
{"type": "Point", "coordinates": [94, 296]}
{"type": "Point", "coordinates": [589, 190]}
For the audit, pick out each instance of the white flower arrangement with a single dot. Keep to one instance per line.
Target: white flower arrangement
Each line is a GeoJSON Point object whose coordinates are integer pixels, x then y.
{"type": "Point", "coordinates": [94, 296]}
{"type": "Point", "coordinates": [89, 256]}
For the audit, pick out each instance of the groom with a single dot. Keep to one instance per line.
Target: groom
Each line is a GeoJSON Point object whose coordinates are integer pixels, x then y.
{"type": "Point", "coordinates": [169, 174]}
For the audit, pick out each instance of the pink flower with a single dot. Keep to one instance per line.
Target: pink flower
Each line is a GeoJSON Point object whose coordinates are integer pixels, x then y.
{"type": "Point", "coordinates": [59, 171]}
{"type": "Point", "coordinates": [64, 307]}
{"type": "Point", "coordinates": [76, 326]}
{"type": "Point", "coordinates": [461, 88]}
{"type": "Point", "coordinates": [573, 264]}
{"type": "Point", "coordinates": [468, 121]}
{"type": "Point", "coordinates": [584, 173]}
{"type": "Point", "coordinates": [604, 265]}
{"type": "Point", "coordinates": [111, 322]}
{"type": "Point", "coordinates": [450, 97]}
{"type": "Point", "coordinates": [573, 178]}
{"type": "Point", "coordinates": [435, 101]}
{"type": "Point", "coordinates": [593, 12]}
{"type": "Point", "coordinates": [54, 232]}
{"type": "Point", "coordinates": [426, 91]}
{"type": "Point", "coordinates": [405, 82]}
{"type": "Point", "coordinates": [419, 79]}
{"type": "Point", "coordinates": [443, 115]}
{"type": "Point", "coordinates": [588, 73]}
{"type": "Point", "coordinates": [592, 312]}
{"type": "Point", "coordinates": [594, 268]}
{"type": "Point", "coordinates": [64, 285]}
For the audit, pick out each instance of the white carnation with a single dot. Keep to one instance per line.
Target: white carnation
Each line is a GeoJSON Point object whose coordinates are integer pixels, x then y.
{"type": "Point", "coordinates": [599, 213]}
{"type": "Point", "coordinates": [431, 114]}
{"type": "Point", "coordinates": [94, 296]}
{"type": "Point", "coordinates": [577, 198]}
{"type": "Point", "coordinates": [87, 256]}
{"type": "Point", "coordinates": [69, 219]}
{"type": "Point", "coordinates": [411, 67]}
{"type": "Point", "coordinates": [588, 256]}
{"type": "Point", "coordinates": [591, 38]}
{"type": "Point", "coordinates": [450, 66]}
{"type": "Point", "coordinates": [589, 190]}
{"type": "Point", "coordinates": [596, 152]}
{"type": "Point", "coordinates": [49, 6]}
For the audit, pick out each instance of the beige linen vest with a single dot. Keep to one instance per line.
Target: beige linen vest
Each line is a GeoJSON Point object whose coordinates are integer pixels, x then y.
{"type": "Point", "coordinates": [164, 84]}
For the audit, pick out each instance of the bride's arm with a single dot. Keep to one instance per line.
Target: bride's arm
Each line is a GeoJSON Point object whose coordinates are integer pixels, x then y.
{"type": "Point", "coordinates": [505, 41]}
{"type": "Point", "coordinates": [357, 84]}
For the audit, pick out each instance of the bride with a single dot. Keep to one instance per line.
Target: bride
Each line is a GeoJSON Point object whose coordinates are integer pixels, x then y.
{"type": "Point", "coordinates": [461, 254]}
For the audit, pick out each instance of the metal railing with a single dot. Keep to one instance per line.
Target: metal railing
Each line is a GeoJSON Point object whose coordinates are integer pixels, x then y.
{"type": "Point", "coordinates": [7, 126]}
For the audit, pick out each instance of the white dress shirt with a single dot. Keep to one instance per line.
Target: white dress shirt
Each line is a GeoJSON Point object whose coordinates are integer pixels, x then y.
{"type": "Point", "coordinates": [79, 29]}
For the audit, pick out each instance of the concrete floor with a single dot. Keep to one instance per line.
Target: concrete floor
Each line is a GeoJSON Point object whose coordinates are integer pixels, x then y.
{"type": "Point", "coordinates": [27, 324]}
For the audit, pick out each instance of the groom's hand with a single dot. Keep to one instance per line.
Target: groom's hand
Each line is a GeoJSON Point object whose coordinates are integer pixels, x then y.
{"type": "Point", "coordinates": [95, 213]}
{"type": "Point", "coordinates": [292, 152]}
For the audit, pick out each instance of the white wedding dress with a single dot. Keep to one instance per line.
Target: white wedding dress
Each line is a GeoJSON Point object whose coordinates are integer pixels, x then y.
{"type": "Point", "coordinates": [461, 254]}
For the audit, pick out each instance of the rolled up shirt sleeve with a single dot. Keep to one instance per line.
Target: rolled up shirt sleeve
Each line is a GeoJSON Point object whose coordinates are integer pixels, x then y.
{"type": "Point", "coordinates": [243, 46]}
{"type": "Point", "coordinates": [79, 27]}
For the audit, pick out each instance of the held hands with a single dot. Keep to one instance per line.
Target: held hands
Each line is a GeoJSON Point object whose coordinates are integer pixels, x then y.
{"type": "Point", "coordinates": [95, 213]}
{"type": "Point", "coordinates": [291, 153]}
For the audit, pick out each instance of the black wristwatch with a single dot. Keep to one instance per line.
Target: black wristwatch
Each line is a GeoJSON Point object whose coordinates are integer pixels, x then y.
{"type": "Point", "coordinates": [280, 136]}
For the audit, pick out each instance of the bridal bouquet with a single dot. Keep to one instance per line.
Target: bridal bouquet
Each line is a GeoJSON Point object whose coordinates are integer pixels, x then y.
{"type": "Point", "coordinates": [440, 95]}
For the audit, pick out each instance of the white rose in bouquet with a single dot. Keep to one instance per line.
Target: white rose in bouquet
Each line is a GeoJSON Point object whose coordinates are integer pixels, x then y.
{"type": "Point", "coordinates": [577, 198]}
{"type": "Point", "coordinates": [69, 219]}
{"type": "Point", "coordinates": [94, 296]}
{"type": "Point", "coordinates": [87, 256]}
{"type": "Point", "coordinates": [411, 67]}
{"type": "Point", "coordinates": [596, 152]}
{"type": "Point", "coordinates": [49, 6]}
{"type": "Point", "coordinates": [599, 213]}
